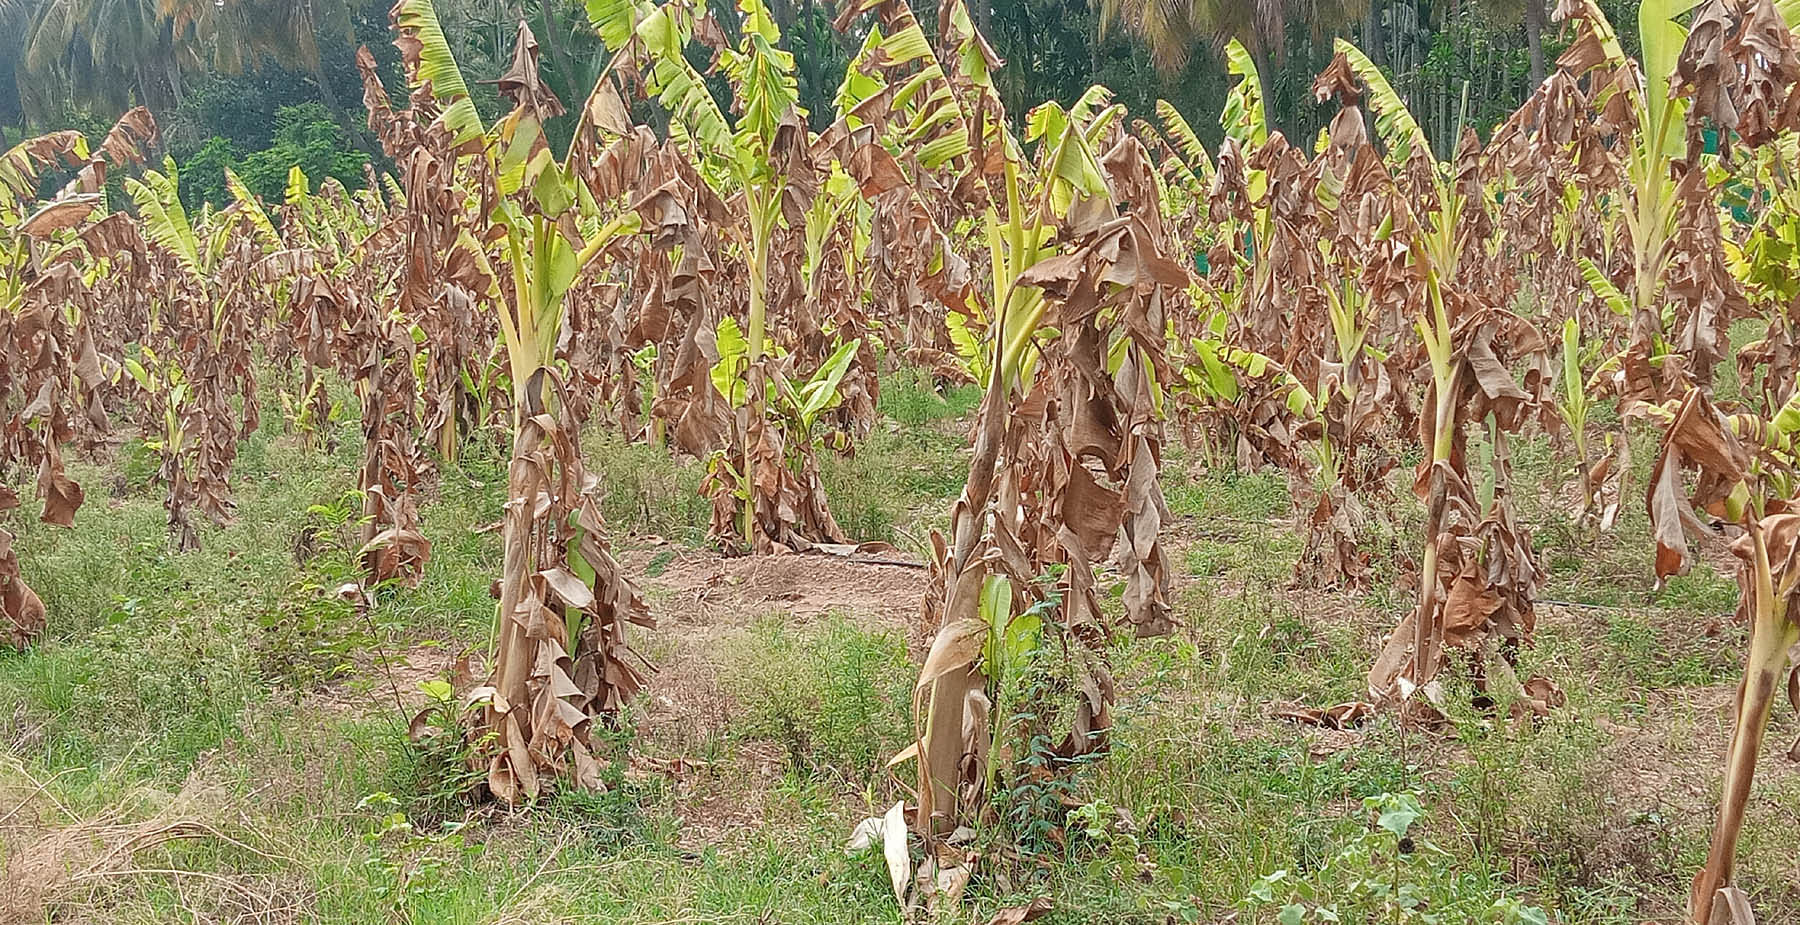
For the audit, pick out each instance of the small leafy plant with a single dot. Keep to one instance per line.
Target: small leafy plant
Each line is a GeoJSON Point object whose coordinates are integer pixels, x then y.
{"type": "Point", "coordinates": [440, 750]}
{"type": "Point", "coordinates": [305, 641]}
{"type": "Point", "coordinates": [1388, 874]}
{"type": "Point", "coordinates": [406, 863]}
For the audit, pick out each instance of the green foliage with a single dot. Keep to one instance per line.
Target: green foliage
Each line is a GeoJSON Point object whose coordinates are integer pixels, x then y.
{"type": "Point", "coordinates": [845, 715]}
{"type": "Point", "coordinates": [307, 638]}
{"type": "Point", "coordinates": [434, 772]}
{"type": "Point", "coordinates": [648, 490]}
{"type": "Point", "coordinates": [614, 816]}
{"type": "Point", "coordinates": [1250, 496]}
{"type": "Point", "coordinates": [405, 864]}
{"type": "Point", "coordinates": [912, 397]}
{"type": "Point", "coordinates": [897, 483]}
{"type": "Point", "coordinates": [187, 684]}
{"type": "Point", "coordinates": [305, 136]}
{"type": "Point", "coordinates": [203, 173]}
{"type": "Point", "coordinates": [1389, 874]}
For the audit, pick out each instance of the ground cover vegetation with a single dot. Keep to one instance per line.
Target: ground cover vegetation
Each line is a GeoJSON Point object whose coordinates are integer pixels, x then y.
{"type": "Point", "coordinates": [673, 480]}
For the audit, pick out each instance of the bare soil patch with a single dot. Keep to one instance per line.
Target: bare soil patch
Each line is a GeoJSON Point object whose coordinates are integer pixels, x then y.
{"type": "Point", "coordinates": [703, 588]}
{"type": "Point", "coordinates": [705, 606]}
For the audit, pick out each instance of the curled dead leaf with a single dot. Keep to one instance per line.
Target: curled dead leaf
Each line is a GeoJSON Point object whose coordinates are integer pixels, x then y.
{"type": "Point", "coordinates": [1015, 915]}
{"type": "Point", "coordinates": [1342, 716]}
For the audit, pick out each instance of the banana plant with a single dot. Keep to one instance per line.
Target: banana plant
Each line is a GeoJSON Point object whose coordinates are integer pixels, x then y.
{"type": "Point", "coordinates": [796, 407]}
{"type": "Point", "coordinates": [1649, 220]}
{"type": "Point", "coordinates": [1049, 227]}
{"type": "Point", "coordinates": [1747, 477]}
{"type": "Point", "coordinates": [1765, 260]}
{"type": "Point", "coordinates": [202, 329]}
{"type": "Point", "coordinates": [1234, 229]}
{"type": "Point", "coordinates": [1574, 405]}
{"type": "Point", "coordinates": [800, 404]}
{"type": "Point", "coordinates": [530, 226]}
{"type": "Point", "coordinates": [764, 158]}
{"type": "Point", "coordinates": [1467, 340]}
{"type": "Point", "coordinates": [1260, 402]}
{"type": "Point", "coordinates": [1732, 69]}
{"type": "Point", "coordinates": [50, 355]}
{"type": "Point", "coordinates": [1247, 229]}
{"type": "Point", "coordinates": [20, 167]}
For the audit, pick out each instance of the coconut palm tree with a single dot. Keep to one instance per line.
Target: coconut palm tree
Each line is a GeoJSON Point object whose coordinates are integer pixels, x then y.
{"type": "Point", "coordinates": [1172, 30]}
{"type": "Point", "coordinates": [238, 33]}
{"type": "Point", "coordinates": [106, 53]}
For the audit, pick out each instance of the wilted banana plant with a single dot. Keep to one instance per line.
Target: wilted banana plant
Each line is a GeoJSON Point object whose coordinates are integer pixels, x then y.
{"type": "Point", "coordinates": [1068, 436]}
{"type": "Point", "coordinates": [1747, 478]}
{"type": "Point", "coordinates": [1740, 68]}
{"type": "Point", "coordinates": [560, 656]}
{"type": "Point", "coordinates": [1478, 578]}
{"type": "Point", "coordinates": [1675, 319]}
{"type": "Point", "coordinates": [761, 162]}
{"type": "Point", "coordinates": [333, 303]}
{"type": "Point", "coordinates": [48, 355]}
{"type": "Point", "coordinates": [34, 361]}
{"type": "Point", "coordinates": [200, 337]}
{"type": "Point", "coordinates": [1557, 169]}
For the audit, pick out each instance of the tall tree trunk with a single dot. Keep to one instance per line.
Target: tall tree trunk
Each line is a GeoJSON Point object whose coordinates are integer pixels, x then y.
{"type": "Point", "coordinates": [982, 11]}
{"type": "Point", "coordinates": [1534, 41]}
{"type": "Point", "coordinates": [1265, 79]}
{"type": "Point", "coordinates": [174, 84]}
{"type": "Point", "coordinates": [1372, 39]}
{"type": "Point", "coordinates": [783, 13]}
{"type": "Point", "coordinates": [1096, 57]}
{"type": "Point", "coordinates": [332, 104]}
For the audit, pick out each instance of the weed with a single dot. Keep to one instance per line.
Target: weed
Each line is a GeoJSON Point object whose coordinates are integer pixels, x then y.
{"type": "Point", "coordinates": [1389, 874]}
{"type": "Point", "coordinates": [307, 638]}
{"type": "Point", "coordinates": [913, 398]}
{"type": "Point", "coordinates": [406, 865]}
{"type": "Point", "coordinates": [845, 713]}
{"type": "Point", "coordinates": [435, 774]}
{"type": "Point", "coordinates": [646, 489]}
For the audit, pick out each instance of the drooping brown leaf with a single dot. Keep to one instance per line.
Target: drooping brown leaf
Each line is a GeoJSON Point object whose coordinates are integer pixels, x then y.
{"type": "Point", "coordinates": [24, 611]}
{"type": "Point", "coordinates": [1341, 716]}
{"type": "Point", "coordinates": [62, 495]}
{"type": "Point", "coordinates": [521, 83]}
{"type": "Point", "coordinates": [1697, 437]}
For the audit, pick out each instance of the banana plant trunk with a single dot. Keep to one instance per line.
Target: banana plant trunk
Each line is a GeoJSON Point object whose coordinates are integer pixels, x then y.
{"type": "Point", "coordinates": [756, 415]}
{"type": "Point", "coordinates": [1425, 636]}
{"type": "Point", "coordinates": [373, 402]}
{"type": "Point", "coordinates": [511, 652]}
{"type": "Point", "coordinates": [1771, 635]}
{"type": "Point", "coordinates": [1424, 632]}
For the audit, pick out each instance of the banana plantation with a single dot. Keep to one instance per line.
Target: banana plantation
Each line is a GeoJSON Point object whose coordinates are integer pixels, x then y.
{"type": "Point", "coordinates": [920, 510]}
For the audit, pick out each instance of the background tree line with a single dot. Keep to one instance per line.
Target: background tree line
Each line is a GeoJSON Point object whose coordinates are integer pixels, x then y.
{"type": "Point", "coordinates": [260, 85]}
